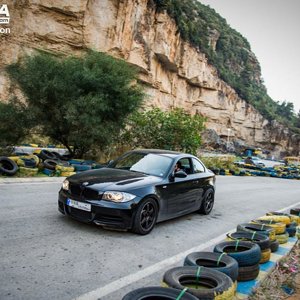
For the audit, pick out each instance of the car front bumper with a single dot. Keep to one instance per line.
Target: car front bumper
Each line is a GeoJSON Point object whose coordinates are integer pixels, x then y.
{"type": "Point", "coordinates": [103, 213]}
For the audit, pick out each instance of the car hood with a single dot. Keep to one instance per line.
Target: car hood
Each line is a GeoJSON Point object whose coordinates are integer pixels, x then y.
{"type": "Point", "coordinates": [113, 179]}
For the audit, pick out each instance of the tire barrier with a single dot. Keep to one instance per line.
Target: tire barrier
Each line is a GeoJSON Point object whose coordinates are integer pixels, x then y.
{"type": "Point", "coordinates": [295, 212]}
{"type": "Point", "coordinates": [279, 227]}
{"type": "Point", "coordinates": [261, 240]}
{"type": "Point", "coordinates": [245, 253]}
{"type": "Point", "coordinates": [48, 172]}
{"type": "Point", "coordinates": [291, 230]}
{"type": "Point", "coordinates": [154, 292]}
{"type": "Point", "coordinates": [293, 218]}
{"type": "Point", "coordinates": [265, 256]}
{"type": "Point", "coordinates": [220, 262]}
{"type": "Point", "coordinates": [298, 232]}
{"type": "Point", "coordinates": [262, 229]}
{"type": "Point", "coordinates": [204, 283]}
{"type": "Point", "coordinates": [248, 273]}
{"type": "Point", "coordinates": [50, 164]}
{"type": "Point", "coordinates": [28, 171]}
{"type": "Point", "coordinates": [8, 166]}
{"type": "Point", "coordinates": [274, 245]}
{"type": "Point", "coordinates": [282, 238]}
{"type": "Point", "coordinates": [80, 168]}
{"type": "Point", "coordinates": [67, 173]}
{"type": "Point", "coordinates": [63, 168]}
{"type": "Point", "coordinates": [45, 154]}
{"type": "Point", "coordinates": [26, 162]}
{"type": "Point", "coordinates": [277, 219]}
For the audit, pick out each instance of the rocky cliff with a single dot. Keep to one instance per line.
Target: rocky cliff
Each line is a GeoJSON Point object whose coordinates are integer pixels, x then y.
{"type": "Point", "coordinates": [173, 72]}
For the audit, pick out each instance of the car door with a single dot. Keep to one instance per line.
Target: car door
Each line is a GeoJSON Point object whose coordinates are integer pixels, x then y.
{"type": "Point", "coordinates": [201, 180]}
{"type": "Point", "coordinates": [180, 193]}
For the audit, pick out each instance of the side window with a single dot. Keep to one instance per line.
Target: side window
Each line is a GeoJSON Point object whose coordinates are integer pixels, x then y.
{"type": "Point", "coordinates": [186, 165]}
{"type": "Point", "coordinates": [198, 167]}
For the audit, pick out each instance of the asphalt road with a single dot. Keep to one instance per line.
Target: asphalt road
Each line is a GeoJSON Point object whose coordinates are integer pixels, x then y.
{"type": "Point", "coordinates": [45, 255]}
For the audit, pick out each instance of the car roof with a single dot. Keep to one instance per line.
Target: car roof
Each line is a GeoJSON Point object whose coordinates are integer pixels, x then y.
{"type": "Point", "coordinates": [162, 151]}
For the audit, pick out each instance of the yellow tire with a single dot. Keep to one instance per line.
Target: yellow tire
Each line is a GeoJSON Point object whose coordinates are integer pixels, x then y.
{"type": "Point", "coordinates": [64, 168]}
{"type": "Point", "coordinates": [283, 219]}
{"type": "Point", "coordinates": [282, 238]}
{"type": "Point", "coordinates": [279, 228]}
{"type": "Point", "coordinates": [298, 232]}
{"type": "Point", "coordinates": [265, 256]}
{"type": "Point", "coordinates": [67, 174]}
{"type": "Point", "coordinates": [28, 171]}
{"type": "Point", "coordinates": [14, 158]}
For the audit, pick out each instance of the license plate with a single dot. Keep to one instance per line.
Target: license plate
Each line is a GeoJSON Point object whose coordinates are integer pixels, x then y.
{"type": "Point", "coordinates": [79, 205]}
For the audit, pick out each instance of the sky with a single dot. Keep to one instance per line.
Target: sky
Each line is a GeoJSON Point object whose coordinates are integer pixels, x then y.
{"type": "Point", "coordinates": [272, 27]}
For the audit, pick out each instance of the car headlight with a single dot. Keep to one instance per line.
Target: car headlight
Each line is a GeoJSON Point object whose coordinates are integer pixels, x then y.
{"type": "Point", "coordinates": [65, 185]}
{"type": "Point", "coordinates": [117, 196]}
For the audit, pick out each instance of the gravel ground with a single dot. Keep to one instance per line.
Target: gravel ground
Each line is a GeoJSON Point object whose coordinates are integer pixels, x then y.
{"type": "Point", "coordinates": [284, 281]}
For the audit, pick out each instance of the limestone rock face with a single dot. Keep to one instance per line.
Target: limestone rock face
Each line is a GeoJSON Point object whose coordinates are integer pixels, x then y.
{"type": "Point", "coordinates": [173, 72]}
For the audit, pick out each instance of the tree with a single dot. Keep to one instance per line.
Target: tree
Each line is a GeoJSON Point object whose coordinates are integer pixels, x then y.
{"type": "Point", "coordinates": [80, 102]}
{"type": "Point", "coordinates": [173, 130]}
{"type": "Point", "coordinates": [14, 123]}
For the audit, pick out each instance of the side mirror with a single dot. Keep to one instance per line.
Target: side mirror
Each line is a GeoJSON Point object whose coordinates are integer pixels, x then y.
{"type": "Point", "coordinates": [180, 174]}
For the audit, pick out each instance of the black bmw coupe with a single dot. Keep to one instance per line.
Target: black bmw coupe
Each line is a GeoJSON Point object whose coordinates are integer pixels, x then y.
{"type": "Point", "coordinates": [139, 189]}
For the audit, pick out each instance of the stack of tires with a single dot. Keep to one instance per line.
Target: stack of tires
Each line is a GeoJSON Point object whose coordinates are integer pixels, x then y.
{"type": "Point", "coordinates": [261, 240]}
{"type": "Point", "coordinates": [215, 275]}
{"type": "Point", "coordinates": [261, 229]}
{"type": "Point", "coordinates": [295, 214]}
{"type": "Point", "coordinates": [28, 164]}
{"type": "Point", "coordinates": [247, 255]}
{"type": "Point", "coordinates": [8, 167]}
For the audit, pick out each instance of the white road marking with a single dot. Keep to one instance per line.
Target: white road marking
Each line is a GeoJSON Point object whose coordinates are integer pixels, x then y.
{"type": "Point", "coordinates": [131, 278]}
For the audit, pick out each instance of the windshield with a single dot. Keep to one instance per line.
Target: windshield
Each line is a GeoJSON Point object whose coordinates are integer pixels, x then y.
{"type": "Point", "coordinates": [152, 164]}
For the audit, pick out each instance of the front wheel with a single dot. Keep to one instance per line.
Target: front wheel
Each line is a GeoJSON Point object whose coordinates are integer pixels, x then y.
{"type": "Point", "coordinates": [207, 202]}
{"type": "Point", "coordinates": [145, 217]}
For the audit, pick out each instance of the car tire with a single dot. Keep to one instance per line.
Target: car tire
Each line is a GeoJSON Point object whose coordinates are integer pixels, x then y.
{"type": "Point", "coordinates": [216, 261]}
{"type": "Point", "coordinates": [50, 164]}
{"type": "Point", "coordinates": [145, 216]}
{"type": "Point", "coordinates": [248, 273]}
{"type": "Point", "coordinates": [260, 239]}
{"type": "Point", "coordinates": [45, 154]}
{"type": "Point", "coordinates": [153, 292]}
{"type": "Point", "coordinates": [208, 202]}
{"type": "Point", "coordinates": [246, 253]}
{"type": "Point", "coordinates": [216, 285]}
{"type": "Point", "coordinates": [274, 245]}
{"type": "Point", "coordinates": [8, 166]}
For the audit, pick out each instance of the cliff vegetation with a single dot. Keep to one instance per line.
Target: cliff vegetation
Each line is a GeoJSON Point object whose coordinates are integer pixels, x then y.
{"type": "Point", "coordinates": [230, 53]}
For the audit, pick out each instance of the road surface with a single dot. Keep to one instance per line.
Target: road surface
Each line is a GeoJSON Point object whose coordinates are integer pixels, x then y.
{"type": "Point", "coordinates": [45, 255]}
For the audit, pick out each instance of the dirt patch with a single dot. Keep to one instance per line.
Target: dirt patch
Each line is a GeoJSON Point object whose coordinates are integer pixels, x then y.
{"type": "Point", "coordinates": [284, 281]}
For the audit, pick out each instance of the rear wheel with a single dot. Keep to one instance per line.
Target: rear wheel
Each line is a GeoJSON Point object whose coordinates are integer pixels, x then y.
{"type": "Point", "coordinates": [145, 217]}
{"type": "Point", "coordinates": [208, 202]}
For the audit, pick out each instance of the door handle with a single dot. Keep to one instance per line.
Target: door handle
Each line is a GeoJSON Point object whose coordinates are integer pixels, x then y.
{"type": "Point", "coordinates": [196, 181]}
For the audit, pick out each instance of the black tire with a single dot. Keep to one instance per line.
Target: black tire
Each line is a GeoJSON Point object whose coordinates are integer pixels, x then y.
{"type": "Point", "coordinates": [248, 273]}
{"type": "Point", "coordinates": [246, 253]}
{"type": "Point", "coordinates": [153, 292]}
{"type": "Point", "coordinates": [145, 216]}
{"type": "Point", "coordinates": [50, 164]}
{"type": "Point", "coordinates": [262, 229]}
{"type": "Point", "coordinates": [45, 154]}
{"type": "Point", "coordinates": [291, 230]}
{"type": "Point", "coordinates": [8, 166]}
{"type": "Point", "coordinates": [207, 202]}
{"type": "Point", "coordinates": [274, 246]}
{"type": "Point", "coordinates": [214, 282]}
{"type": "Point", "coordinates": [216, 261]}
{"type": "Point", "coordinates": [295, 211]}
{"type": "Point", "coordinates": [261, 240]}
{"type": "Point", "coordinates": [58, 156]}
